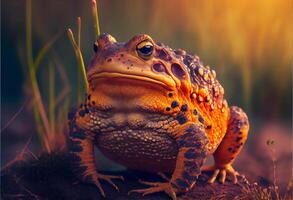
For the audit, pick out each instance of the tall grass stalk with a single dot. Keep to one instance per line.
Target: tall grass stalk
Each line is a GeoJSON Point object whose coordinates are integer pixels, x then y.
{"type": "Point", "coordinates": [96, 18]}
{"type": "Point", "coordinates": [78, 56]}
{"type": "Point", "coordinates": [52, 100]}
{"type": "Point", "coordinates": [32, 73]}
{"type": "Point", "coordinates": [44, 50]}
{"type": "Point", "coordinates": [79, 81]}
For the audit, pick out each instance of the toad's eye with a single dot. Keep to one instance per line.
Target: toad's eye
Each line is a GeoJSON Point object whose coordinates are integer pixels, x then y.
{"type": "Point", "coordinates": [145, 49]}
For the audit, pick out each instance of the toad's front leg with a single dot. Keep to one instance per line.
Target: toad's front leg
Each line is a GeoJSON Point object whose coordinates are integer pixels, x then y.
{"type": "Point", "coordinates": [192, 143]}
{"type": "Point", "coordinates": [81, 147]}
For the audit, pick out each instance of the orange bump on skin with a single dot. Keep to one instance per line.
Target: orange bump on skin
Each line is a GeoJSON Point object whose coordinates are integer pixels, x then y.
{"type": "Point", "coordinates": [203, 92]}
{"type": "Point", "coordinates": [200, 71]}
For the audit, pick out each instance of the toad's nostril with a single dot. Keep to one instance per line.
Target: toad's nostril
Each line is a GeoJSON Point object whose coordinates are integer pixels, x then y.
{"type": "Point", "coordinates": [159, 67]}
{"type": "Point", "coordinates": [178, 71]}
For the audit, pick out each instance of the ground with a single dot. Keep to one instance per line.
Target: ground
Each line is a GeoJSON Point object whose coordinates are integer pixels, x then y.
{"type": "Point", "coordinates": [50, 177]}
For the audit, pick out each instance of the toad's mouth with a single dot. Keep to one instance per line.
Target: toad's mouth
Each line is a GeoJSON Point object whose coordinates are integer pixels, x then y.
{"type": "Point", "coordinates": [169, 85]}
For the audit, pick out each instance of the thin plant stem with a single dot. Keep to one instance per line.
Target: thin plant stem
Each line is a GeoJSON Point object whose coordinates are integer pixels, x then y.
{"type": "Point", "coordinates": [64, 78]}
{"type": "Point", "coordinates": [52, 98]}
{"type": "Point", "coordinates": [44, 50]}
{"type": "Point", "coordinates": [79, 81]}
{"type": "Point", "coordinates": [78, 31]}
{"type": "Point", "coordinates": [79, 56]}
{"type": "Point", "coordinates": [96, 18]}
{"type": "Point", "coordinates": [14, 116]}
{"type": "Point", "coordinates": [32, 74]}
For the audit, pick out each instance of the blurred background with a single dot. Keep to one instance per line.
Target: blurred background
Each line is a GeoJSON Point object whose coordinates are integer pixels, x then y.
{"type": "Point", "coordinates": [248, 43]}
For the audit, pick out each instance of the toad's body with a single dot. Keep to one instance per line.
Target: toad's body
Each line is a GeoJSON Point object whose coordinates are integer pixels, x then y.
{"type": "Point", "coordinates": [154, 109]}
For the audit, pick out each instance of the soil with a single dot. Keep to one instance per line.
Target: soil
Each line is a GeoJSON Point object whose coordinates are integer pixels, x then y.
{"type": "Point", "coordinates": [49, 177]}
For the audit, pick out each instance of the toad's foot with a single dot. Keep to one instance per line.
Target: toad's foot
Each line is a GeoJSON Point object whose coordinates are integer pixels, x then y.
{"type": "Point", "coordinates": [156, 187]}
{"type": "Point", "coordinates": [222, 172]}
{"type": "Point", "coordinates": [95, 179]}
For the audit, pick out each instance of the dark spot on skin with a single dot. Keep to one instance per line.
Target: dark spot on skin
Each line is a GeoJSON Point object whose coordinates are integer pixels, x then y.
{"type": "Point", "coordinates": [190, 154]}
{"type": "Point", "coordinates": [186, 136]}
{"type": "Point", "coordinates": [195, 112]}
{"type": "Point", "coordinates": [159, 67]}
{"type": "Point", "coordinates": [186, 143]}
{"type": "Point", "coordinates": [230, 149]}
{"type": "Point", "coordinates": [131, 65]}
{"type": "Point", "coordinates": [181, 119]}
{"type": "Point", "coordinates": [71, 115]}
{"type": "Point", "coordinates": [190, 129]}
{"type": "Point", "coordinates": [240, 133]}
{"type": "Point", "coordinates": [209, 126]}
{"type": "Point", "coordinates": [200, 119]}
{"type": "Point", "coordinates": [184, 108]}
{"type": "Point", "coordinates": [187, 140]}
{"type": "Point", "coordinates": [162, 54]}
{"type": "Point", "coordinates": [89, 97]}
{"type": "Point", "coordinates": [188, 177]}
{"type": "Point", "coordinates": [170, 95]}
{"type": "Point", "coordinates": [79, 135]}
{"type": "Point", "coordinates": [177, 71]}
{"type": "Point", "coordinates": [241, 143]}
{"type": "Point", "coordinates": [198, 145]}
{"type": "Point", "coordinates": [174, 104]}
{"type": "Point", "coordinates": [75, 146]}
{"type": "Point", "coordinates": [237, 129]}
{"type": "Point", "coordinates": [233, 151]}
{"type": "Point", "coordinates": [93, 102]}
{"type": "Point", "coordinates": [81, 113]}
{"type": "Point", "coordinates": [238, 139]}
{"type": "Point", "coordinates": [121, 55]}
{"type": "Point", "coordinates": [192, 167]}
{"type": "Point", "coordinates": [191, 138]}
{"type": "Point", "coordinates": [168, 109]}
{"type": "Point", "coordinates": [181, 183]}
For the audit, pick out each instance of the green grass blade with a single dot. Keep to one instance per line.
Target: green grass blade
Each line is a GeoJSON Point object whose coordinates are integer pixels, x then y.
{"type": "Point", "coordinates": [96, 18]}
{"type": "Point", "coordinates": [79, 56]}
{"type": "Point", "coordinates": [32, 74]}
{"type": "Point", "coordinates": [79, 78]}
{"type": "Point", "coordinates": [44, 50]}
{"type": "Point", "coordinates": [52, 97]}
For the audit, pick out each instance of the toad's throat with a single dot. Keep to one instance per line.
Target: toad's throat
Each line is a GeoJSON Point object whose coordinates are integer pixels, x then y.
{"type": "Point", "coordinates": [109, 76]}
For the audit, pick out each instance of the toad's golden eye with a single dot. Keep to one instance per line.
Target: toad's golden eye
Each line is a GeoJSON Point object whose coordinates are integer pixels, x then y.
{"type": "Point", "coordinates": [145, 49]}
